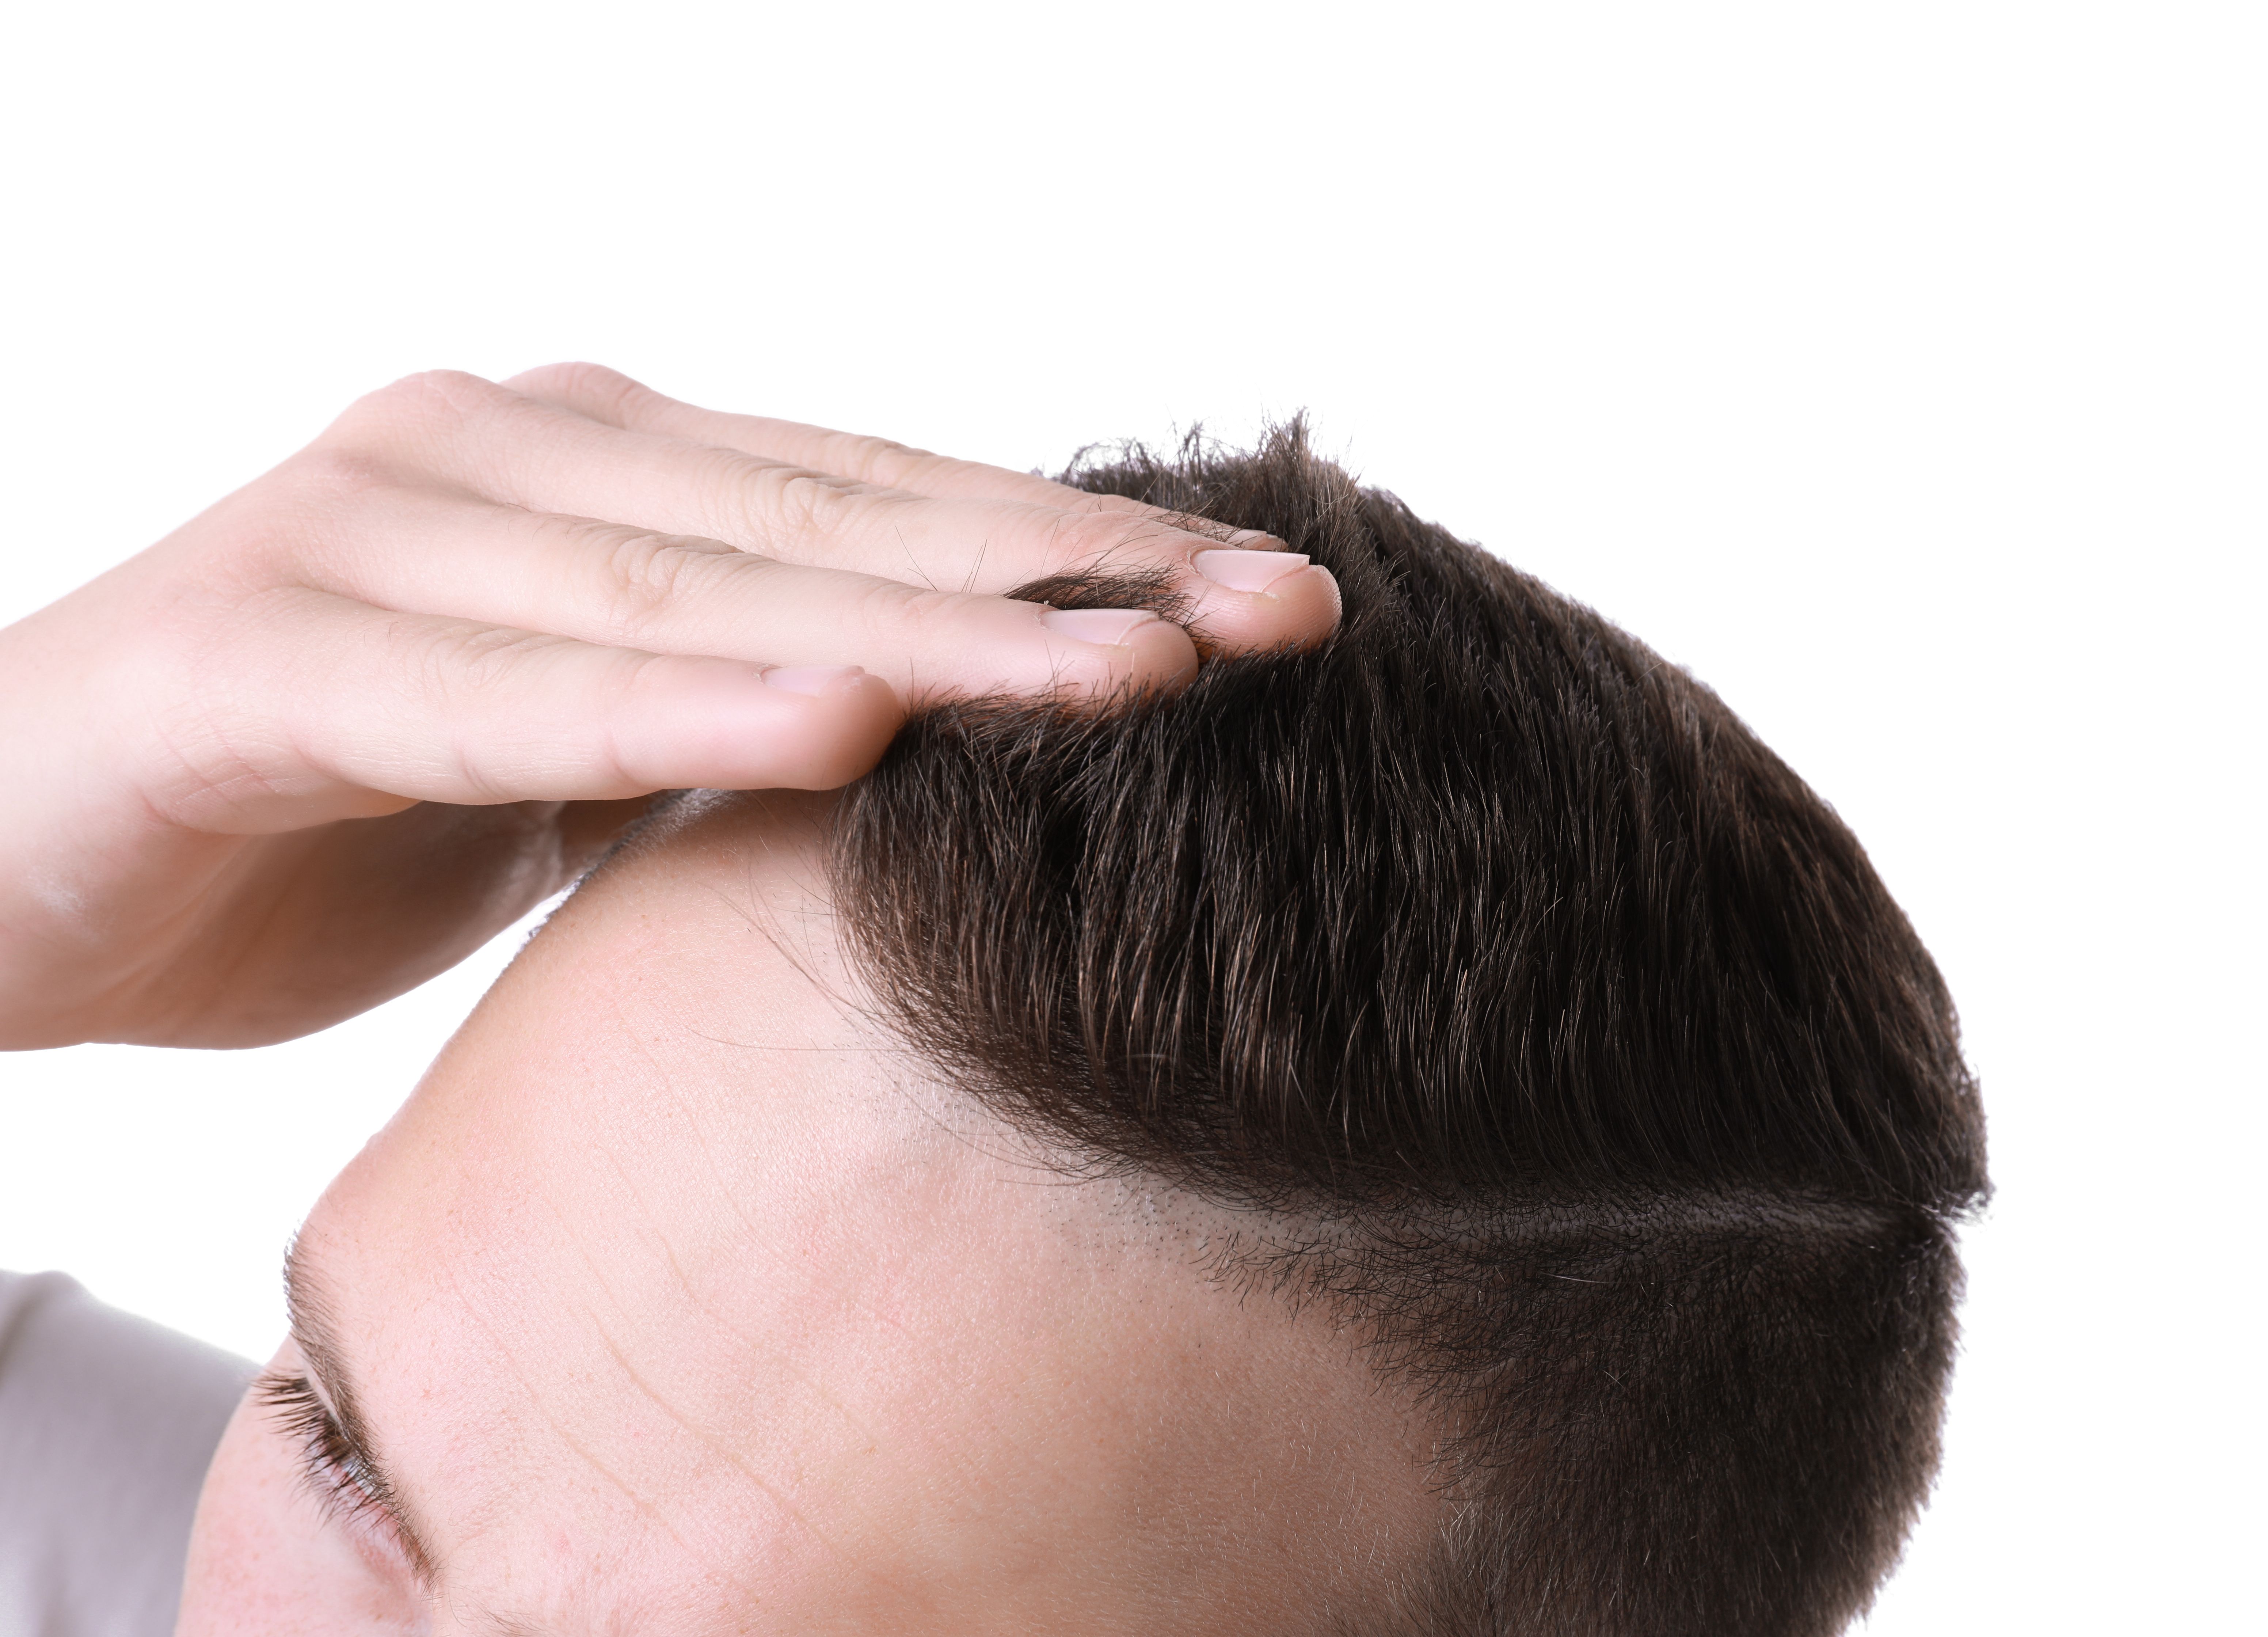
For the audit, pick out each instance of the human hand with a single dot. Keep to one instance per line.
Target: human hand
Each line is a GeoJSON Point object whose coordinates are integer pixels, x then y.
{"type": "Point", "coordinates": [331, 736]}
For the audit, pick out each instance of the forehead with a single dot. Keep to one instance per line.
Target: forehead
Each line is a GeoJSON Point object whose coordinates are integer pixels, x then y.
{"type": "Point", "coordinates": [675, 1289]}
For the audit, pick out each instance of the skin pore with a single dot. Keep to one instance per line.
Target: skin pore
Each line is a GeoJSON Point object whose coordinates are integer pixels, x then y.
{"type": "Point", "coordinates": [675, 1301]}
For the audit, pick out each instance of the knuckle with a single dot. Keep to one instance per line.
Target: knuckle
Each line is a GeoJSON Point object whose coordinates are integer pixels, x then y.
{"type": "Point", "coordinates": [578, 382]}
{"type": "Point", "coordinates": [917, 615]}
{"type": "Point", "coordinates": [459, 671]}
{"type": "Point", "coordinates": [645, 578]}
{"type": "Point", "coordinates": [861, 454]}
{"type": "Point", "coordinates": [430, 397]}
{"type": "Point", "coordinates": [804, 502]}
{"type": "Point", "coordinates": [451, 391]}
{"type": "Point", "coordinates": [280, 528]}
{"type": "Point", "coordinates": [328, 475]}
{"type": "Point", "coordinates": [459, 666]}
{"type": "Point", "coordinates": [779, 503]}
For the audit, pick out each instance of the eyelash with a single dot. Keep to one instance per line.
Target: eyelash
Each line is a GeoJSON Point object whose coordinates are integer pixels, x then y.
{"type": "Point", "coordinates": [341, 1481]}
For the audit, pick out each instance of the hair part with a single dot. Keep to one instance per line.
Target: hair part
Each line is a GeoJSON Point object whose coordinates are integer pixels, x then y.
{"type": "Point", "coordinates": [1540, 1018]}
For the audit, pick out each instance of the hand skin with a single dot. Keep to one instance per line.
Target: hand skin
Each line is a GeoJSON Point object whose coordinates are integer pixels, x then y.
{"type": "Point", "coordinates": [331, 736]}
{"type": "Point", "coordinates": [677, 1301]}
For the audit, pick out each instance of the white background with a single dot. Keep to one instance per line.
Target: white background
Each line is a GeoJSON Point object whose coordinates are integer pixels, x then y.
{"type": "Point", "coordinates": [1899, 369]}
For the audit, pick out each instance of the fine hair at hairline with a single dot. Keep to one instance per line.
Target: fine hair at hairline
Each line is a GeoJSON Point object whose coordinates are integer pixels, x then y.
{"type": "Point", "coordinates": [1631, 1107]}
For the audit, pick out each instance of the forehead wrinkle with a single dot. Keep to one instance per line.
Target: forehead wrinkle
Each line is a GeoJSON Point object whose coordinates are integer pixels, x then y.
{"type": "Point", "coordinates": [716, 1446]}
{"type": "Point", "coordinates": [755, 1345]}
{"type": "Point", "coordinates": [703, 1436]}
{"type": "Point", "coordinates": [507, 1622]}
{"type": "Point", "coordinates": [732, 1196]}
{"type": "Point", "coordinates": [691, 1112]}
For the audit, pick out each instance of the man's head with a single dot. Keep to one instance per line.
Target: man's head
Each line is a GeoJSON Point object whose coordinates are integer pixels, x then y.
{"type": "Point", "coordinates": [1437, 1132]}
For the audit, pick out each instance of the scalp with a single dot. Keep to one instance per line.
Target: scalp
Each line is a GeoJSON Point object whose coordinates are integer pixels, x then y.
{"type": "Point", "coordinates": [1523, 1009]}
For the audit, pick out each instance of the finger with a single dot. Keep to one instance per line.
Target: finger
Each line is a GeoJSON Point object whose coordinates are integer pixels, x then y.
{"type": "Point", "coordinates": [1217, 588]}
{"type": "Point", "coordinates": [625, 587]}
{"type": "Point", "coordinates": [603, 395]}
{"type": "Point", "coordinates": [333, 704]}
{"type": "Point", "coordinates": [510, 447]}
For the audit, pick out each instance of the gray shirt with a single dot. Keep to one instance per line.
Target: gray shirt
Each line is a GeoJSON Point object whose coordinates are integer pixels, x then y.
{"type": "Point", "coordinates": [106, 1424]}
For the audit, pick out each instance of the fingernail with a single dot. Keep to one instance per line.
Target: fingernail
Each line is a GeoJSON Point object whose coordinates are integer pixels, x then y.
{"type": "Point", "coordinates": [1107, 626]}
{"type": "Point", "coordinates": [1253, 537]}
{"type": "Point", "coordinates": [1247, 571]}
{"type": "Point", "coordinates": [812, 679]}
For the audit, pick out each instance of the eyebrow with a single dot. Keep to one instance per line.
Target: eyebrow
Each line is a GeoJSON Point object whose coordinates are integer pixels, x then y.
{"type": "Point", "coordinates": [314, 1329]}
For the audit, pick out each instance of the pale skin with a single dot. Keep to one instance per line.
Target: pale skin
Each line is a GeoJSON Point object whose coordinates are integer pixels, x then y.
{"type": "Point", "coordinates": [329, 736]}
{"type": "Point", "coordinates": [677, 1300]}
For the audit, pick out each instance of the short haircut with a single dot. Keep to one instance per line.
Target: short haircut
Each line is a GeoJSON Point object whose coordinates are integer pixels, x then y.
{"type": "Point", "coordinates": [1540, 1018]}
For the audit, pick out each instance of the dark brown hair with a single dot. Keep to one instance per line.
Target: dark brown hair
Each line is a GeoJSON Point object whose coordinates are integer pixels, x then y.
{"type": "Point", "coordinates": [1607, 1086]}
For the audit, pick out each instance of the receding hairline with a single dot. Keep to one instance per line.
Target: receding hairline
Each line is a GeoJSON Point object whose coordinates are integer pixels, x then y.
{"type": "Point", "coordinates": [1228, 1241]}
